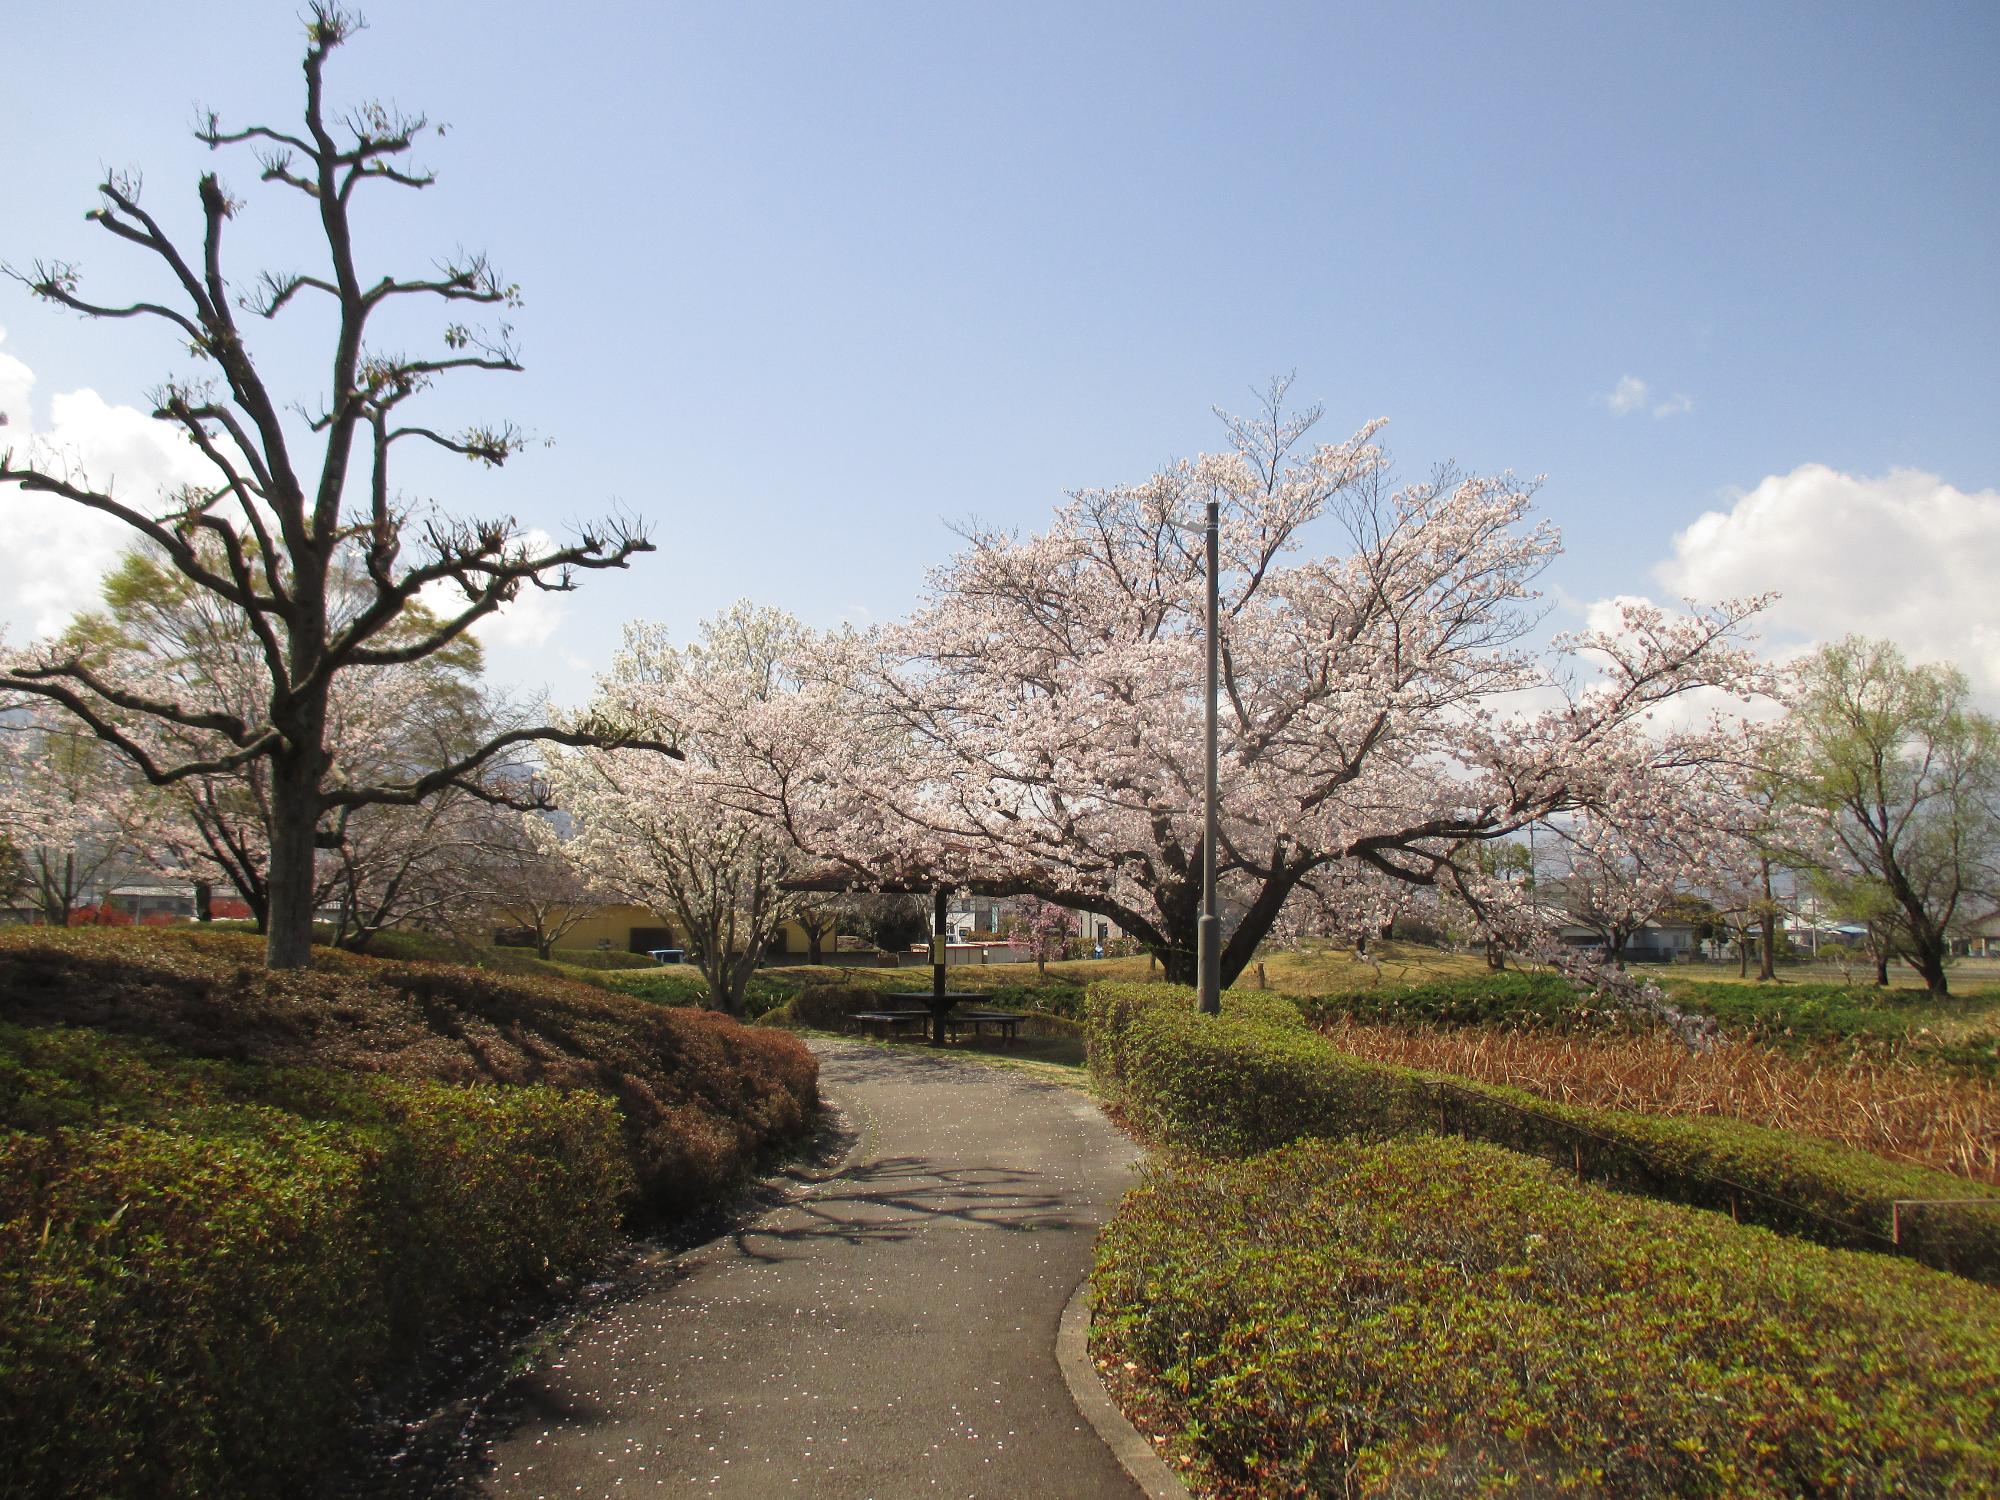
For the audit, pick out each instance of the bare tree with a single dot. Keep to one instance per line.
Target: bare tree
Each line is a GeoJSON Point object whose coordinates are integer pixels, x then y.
{"type": "Point", "coordinates": [283, 501]}
{"type": "Point", "coordinates": [529, 881]}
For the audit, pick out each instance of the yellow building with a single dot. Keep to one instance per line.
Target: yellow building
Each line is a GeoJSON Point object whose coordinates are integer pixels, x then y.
{"type": "Point", "coordinates": [638, 929]}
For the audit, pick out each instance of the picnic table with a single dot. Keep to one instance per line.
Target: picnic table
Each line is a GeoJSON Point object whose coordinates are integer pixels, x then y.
{"type": "Point", "coordinates": [939, 1009]}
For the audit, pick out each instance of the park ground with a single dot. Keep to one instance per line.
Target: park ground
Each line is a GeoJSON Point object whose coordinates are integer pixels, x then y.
{"type": "Point", "coordinates": [399, 1080]}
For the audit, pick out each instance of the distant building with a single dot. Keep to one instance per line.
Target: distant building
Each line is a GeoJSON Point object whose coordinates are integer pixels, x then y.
{"type": "Point", "coordinates": [1981, 938]}
{"type": "Point", "coordinates": [1662, 941]}
{"type": "Point", "coordinates": [628, 928]}
{"type": "Point", "coordinates": [969, 918]}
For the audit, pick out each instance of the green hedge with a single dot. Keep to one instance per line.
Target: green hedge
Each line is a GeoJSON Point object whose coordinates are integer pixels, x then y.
{"type": "Point", "coordinates": [1806, 1016]}
{"type": "Point", "coordinates": [826, 1007]}
{"type": "Point", "coordinates": [1797, 1017]}
{"type": "Point", "coordinates": [202, 1266]}
{"type": "Point", "coordinates": [1429, 1316]}
{"type": "Point", "coordinates": [1542, 1001]}
{"type": "Point", "coordinates": [1256, 1077]}
{"type": "Point", "coordinates": [832, 1007]}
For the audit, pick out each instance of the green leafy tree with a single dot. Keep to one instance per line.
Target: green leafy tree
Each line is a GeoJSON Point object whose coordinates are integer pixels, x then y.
{"type": "Point", "coordinates": [1903, 774]}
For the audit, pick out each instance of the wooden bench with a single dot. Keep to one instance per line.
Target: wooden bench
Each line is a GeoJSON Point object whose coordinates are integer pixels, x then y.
{"type": "Point", "coordinates": [1006, 1022]}
{"type": "Point", "coordinates": [894, 1022]}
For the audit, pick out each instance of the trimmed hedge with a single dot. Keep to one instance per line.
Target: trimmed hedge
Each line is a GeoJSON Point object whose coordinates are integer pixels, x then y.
{"type": "Point", "coordinates": [1805, 1016]}
{"type": "Point", "coordinates": [1256, 1077]}
{"type": "Point", "coordinates": [1542, 1001]}
{"type": "Point", "coordinates": [234, 1205]}
{"type": "Point", "coordinates": [202, 1267]}
{"type": "Point", "coordinates": [825, 1007]}
{"type": "Point", "coordinates": [1429, 1316]}
{"type": "Point", "coordinates": [701, 1096]}
{"type": "Point", "coordinates": [832, 1007]}
{"type": "Point", "coordinates": [1797, 1017]}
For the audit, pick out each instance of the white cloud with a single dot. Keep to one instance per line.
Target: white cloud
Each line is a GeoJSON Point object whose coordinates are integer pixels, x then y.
{"type": "Point", "coordinates": [525, 624]}
{"type": "Point", "coordinates": [56, 550]}
{"type": "Point", "coordinates": [1629, 395]}
{"type": "Point", "coordinates": [1904, 557]}
{"type": "Point", "coordinates": [1633, 394]}
{"type": "Point", "coordinates": [16, 380]}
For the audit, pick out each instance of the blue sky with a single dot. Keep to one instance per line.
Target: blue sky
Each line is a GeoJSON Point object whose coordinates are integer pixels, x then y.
{"type": "Point", "coordinates": [805, 283]}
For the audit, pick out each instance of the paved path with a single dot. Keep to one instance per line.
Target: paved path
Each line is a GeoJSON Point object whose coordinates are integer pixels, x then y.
{"type": "Point", "coordinates": [888, 1331]}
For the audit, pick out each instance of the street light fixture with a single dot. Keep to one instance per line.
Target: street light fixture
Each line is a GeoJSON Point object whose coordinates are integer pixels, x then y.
{"type": "Point", "coordinates": [1208, 944]}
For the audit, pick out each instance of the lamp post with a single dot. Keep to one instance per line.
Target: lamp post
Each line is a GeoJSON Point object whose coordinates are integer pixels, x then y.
{"type": "Point", "coordinates": [940, 956]}
{"type": "Point", "coordinates": [1208, 945]}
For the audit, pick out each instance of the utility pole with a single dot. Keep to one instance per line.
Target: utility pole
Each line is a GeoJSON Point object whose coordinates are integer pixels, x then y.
{"type": "Point", "coordinates": [940, 939]}
{"type": "Point", "coordinates": [1208, 946]}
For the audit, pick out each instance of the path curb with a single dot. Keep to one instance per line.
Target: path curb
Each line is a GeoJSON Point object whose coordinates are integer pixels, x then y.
{"type": "Point", "coordinates": [1149, 1471]}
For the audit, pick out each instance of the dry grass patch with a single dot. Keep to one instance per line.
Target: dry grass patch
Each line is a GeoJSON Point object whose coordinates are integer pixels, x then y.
{"type": "Point", "coordinates": [1876, 1101]}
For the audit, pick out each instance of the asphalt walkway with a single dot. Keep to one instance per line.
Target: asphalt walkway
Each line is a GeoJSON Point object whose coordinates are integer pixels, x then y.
{"type": "Point", "coordinates": [887, 1330]}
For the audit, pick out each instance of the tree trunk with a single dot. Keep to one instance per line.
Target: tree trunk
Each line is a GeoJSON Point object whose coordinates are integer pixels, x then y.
{"type": "Point", "coordinates": [1927, 958]}
{"type": "Point", "coordinates": [1496, 960]}
{"type": "Point", "coordinates": [204, 901]}
{"type": "Point", "coordinates": [1767, 930]}
{"type": "Point", "coordinates": [288, 933]}
{"type": "Point", "coordinates": [813, 943]}
{"type": "Point", "coordinates": [1928, 946]}
{"type": "Point", "coordinates": [1743, 955]}
{"type": "Point", "coordinates": [1881, 971]}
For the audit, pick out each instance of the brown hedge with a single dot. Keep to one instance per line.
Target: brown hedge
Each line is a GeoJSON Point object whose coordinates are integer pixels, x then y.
{"type": "Point", "coordinates": [700, 1096]}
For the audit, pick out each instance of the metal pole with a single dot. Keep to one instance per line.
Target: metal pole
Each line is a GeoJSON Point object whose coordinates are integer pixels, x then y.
{"type": "Point", "coordinates": [940, 935]}
{"type": "Point", "coordinates": [1208, 946]}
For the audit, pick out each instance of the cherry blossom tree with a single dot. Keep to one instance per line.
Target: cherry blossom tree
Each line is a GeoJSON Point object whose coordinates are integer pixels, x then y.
{"type": "Point", "coordinates": [394, 867]}
{"type": "Point", "coordinates": [1042, 927]}
{"type": "Point", "coordinates": [286, 499]}
{"type": "Point", "coordinates": [1761, 838]}
{"type": "Point", "coordinates": [72, 813]}
{"type": "Point", "coordinates": [1741, 902]}
{"type": "Point", "coordinates": [1612, 878]}
{"type": "Point", "coordinates": [378, 865]}
{"type": "Point", "coordinates": [1036, 727]}
{"type": "Point", "coordinates": [819, 919]}
{"type": "Point", "coordinates": [678, 838]}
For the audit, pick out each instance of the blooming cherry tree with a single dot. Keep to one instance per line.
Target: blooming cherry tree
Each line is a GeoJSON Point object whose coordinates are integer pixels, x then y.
{"type": "Point", "coordinates": [530, 880]}
{"type": "Point", "coordinates": [72, 813]}
{"type": "Point", "coordinates": [1036, 727]}
{"type": "Point", "coordinates": [1042, 927]}
{"type": "Point", "coordinates": [683, 838]}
